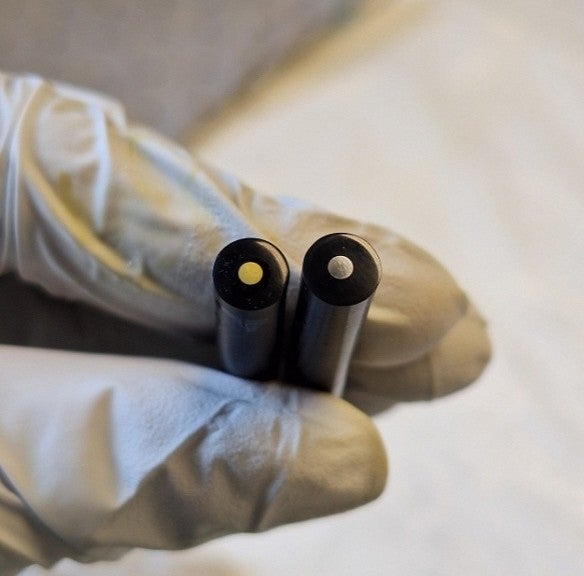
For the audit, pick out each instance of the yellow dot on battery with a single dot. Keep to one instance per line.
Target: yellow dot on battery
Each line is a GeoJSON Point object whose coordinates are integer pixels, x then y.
{"type": "Point", "coordinates": [250, 273]}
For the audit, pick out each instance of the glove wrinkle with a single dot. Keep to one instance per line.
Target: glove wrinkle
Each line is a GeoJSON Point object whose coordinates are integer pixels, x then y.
{"type": "Point", "coordinates": [286, 450]}
{"type": "Point", "coordinates": [17, 96]}
{"type": "Point", "coordinates": [24, 538]}
{"type": "Point", "coordinates": [174, 506]}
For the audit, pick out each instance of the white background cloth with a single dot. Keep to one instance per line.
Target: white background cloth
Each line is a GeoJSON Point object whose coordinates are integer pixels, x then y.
{"type": "Point", "coordinates": [461, 125]}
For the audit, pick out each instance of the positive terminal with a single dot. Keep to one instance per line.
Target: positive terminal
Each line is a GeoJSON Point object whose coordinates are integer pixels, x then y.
{"type": "Point", "coordinates": [250, 273]}
{"type": "Point", "coordinates": [340, 267]}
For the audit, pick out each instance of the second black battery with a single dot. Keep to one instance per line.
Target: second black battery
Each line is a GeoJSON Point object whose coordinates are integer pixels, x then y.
{"type": "Point", "coordinates": [340, 274]}
{"type": "Point", "coordinates": [250, 277]}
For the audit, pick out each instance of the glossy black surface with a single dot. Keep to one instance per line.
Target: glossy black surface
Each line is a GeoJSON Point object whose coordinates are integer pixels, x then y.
{"type": "Point", "coordinates": [359, 286]}
{"type": "Point", "coordinates": [330, 312]}
{"type": "Point", "coordinates": [250, 317]}
{"type": "Point", "coordinates": [250, 297]}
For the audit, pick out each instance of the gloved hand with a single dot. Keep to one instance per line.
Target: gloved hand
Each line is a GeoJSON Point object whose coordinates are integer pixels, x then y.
{"type": "Point", "coordinates": [107, 238]}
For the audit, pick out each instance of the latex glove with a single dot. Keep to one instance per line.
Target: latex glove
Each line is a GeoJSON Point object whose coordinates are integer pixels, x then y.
{"type": "Point", "coordinates": [100, 453]}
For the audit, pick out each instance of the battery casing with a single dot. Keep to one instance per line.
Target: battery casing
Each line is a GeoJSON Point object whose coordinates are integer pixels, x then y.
{"type": "Point", "coordinates": [250, 317]}
{"type": "Point", "coordinates": [331, 311]}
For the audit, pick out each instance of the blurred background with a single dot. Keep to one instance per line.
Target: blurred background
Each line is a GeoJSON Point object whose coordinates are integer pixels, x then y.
{"type": "Point", "coordinates": [170, 62]}
{"type": "Point", "coordinates": [459, 124]}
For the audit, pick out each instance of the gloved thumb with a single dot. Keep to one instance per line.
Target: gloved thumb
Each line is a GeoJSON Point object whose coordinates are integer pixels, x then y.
{"type": "Point", "coordinates": [108, 453]}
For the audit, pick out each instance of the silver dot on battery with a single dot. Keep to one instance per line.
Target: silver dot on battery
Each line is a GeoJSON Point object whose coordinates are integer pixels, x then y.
{"type": "Point", "coordinates": [340, 274]}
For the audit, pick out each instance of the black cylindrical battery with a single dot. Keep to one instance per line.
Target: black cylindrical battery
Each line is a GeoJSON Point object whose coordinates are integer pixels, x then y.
{"type": "Point", "coordinates": [340, 274]}
{"type": "Point", "coordinates": [250, 277]}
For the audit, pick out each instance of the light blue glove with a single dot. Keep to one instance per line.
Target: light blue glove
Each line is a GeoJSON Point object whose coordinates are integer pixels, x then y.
{"type": "Point", "coordinates": [107, 238]}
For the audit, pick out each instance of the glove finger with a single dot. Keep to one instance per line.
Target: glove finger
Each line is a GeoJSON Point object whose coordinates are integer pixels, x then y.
{"type": "Point", "coordinates": [92, 215]}
{"type": "Point", "coordinates": [455, 362]}
{"type": "Point", "coordinates": [123, 220]}
{"type": "Point", "coordinates": [111, 453]}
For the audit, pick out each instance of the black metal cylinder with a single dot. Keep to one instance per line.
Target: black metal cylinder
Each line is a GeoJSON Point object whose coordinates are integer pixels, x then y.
{"type": "Point", "coordinates": [250, 277]}
{"type": "Point", "coordinates": [340, 274]}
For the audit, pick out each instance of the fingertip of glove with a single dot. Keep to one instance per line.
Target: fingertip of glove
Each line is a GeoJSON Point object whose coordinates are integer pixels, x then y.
{"type": "Point", "coordinates": [463, 358]}
{"type": "Point", "coordinates": [339, 462]}
{"type": "Point", "coordinates": [456, 361]}
{"type": "Point", "coordinates": [360, 447]}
